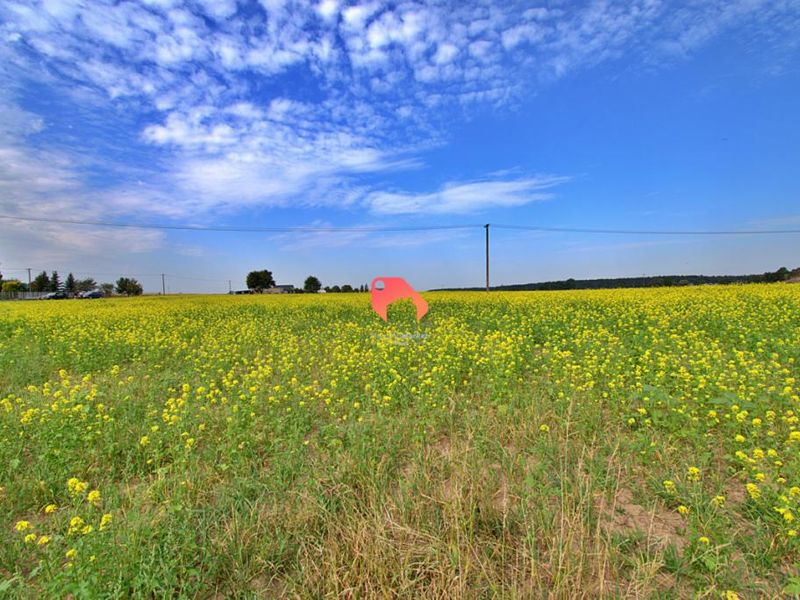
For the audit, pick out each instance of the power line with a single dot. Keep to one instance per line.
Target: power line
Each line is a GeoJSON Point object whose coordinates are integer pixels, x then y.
{"type": "Point", "coordinates": [114, 274]}
{"type": "Point", "coordinates": [240, 229]}
{"type": "Point", "coordinates": [196, 278]}
{"type": "Point", "coordinates": [366, 229]}
{"type": "Point", "coordinates": [650, 231]}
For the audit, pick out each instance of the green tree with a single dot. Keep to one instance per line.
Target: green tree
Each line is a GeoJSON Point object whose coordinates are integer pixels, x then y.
{"type": "Point", "coordinates": [13, 285]}
{"type": "Point", "coordinates": [781, 274]}
{"type": "Point", "coordinates": [41, 283]}
{"type": "Point", "coordinates": [128, 286]}
{"type": "Point", "coordinates": [70, 284]}
{"type": "Point", "coordinates": [55, 282]}
{"type": "Point", "coordinates": [260, 280]}
{"type": "Point", "coordinates": [347, 288]}
{"type": "Point", "coordinates": [85, 285]}
{"type": "Point", "coordinates": [312, 284]}
{"type": "Point", "coordinates": [107, 289]}
{"type": "Point", "coordinates": [335, 289]}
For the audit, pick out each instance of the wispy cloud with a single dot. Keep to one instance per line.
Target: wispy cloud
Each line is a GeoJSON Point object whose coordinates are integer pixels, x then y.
{"type": "Point", "coordinates": [364, 239]}
{"type": "Point", "coordinates": [467, 197]}
{"type": "Point", "coordinates": [49, 184]}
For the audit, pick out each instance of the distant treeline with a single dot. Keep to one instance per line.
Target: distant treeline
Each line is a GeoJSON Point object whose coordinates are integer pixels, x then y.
{"type": "Point", "coordinates": [782, 274]}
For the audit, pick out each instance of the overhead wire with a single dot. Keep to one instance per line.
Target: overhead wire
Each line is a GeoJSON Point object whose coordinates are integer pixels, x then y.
{"type": "Point", "coordinates": [399, 228]}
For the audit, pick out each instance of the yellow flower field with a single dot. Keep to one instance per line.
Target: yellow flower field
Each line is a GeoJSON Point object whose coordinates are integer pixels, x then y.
{"type": "Point", "coordinates": [599, 443]}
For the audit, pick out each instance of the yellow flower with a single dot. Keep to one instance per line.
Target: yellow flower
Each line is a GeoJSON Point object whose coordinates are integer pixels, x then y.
{"type": "Point", "coordinates": [753, 490]}
{"type": "Point", "coordinates": [144, 440]}
{"type": "Point", "coordinates": [739, 438]}
{"type": "Point", "coordinates": [718, 500]}
{"type": "Point", "coordinates": [693, 474]}
{"type": "Point", "coordinates": [30, 538]}
{"type": "Point", "coordinates": [22, 525]}
{"type": "Point", "coordinates": [71, 553]}
{"type": "Point", "coordinates": [75, 524]}
{"type": "Point", "coordinates": [87, 529]}
{"type": "Point", "coordinates": [76, 486]}
{"type": "Point", "coordinates": [794, 436]}
{"type": "Point", "coordinates": [704, 540]}
{"type": "Point", "coordinates": [684, 510]}
{"type": "Point", "coordinates": [731, 595]}
{"type": "Point", "coordinates": [50, 508]}
{"type": "Point", "coordinates": [669, 485]}
{"type": "Point", "coordinates": [544, 428]}
{"type": "Point", "coordinates": [105, 521]}
{"type": "Point", "coordinates": [44, 540]}
{"type": "Point", "coordinates": [94, 497]}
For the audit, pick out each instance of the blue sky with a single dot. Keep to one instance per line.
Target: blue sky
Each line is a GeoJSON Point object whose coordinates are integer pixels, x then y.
{"type": "Point", "coordinates": [640, 114]}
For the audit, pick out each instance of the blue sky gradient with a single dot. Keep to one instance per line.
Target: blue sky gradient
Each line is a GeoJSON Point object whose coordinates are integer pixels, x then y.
{"type": "Point", "coordinates": [596, 114]}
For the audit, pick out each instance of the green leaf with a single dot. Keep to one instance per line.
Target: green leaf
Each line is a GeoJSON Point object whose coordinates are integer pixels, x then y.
{"type": "Point", "coordinates": [710, 562]}
{"type": "Point", "coordinates": [793, 587]}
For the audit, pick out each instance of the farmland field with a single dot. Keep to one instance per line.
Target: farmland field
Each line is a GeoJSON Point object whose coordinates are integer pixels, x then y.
{"type": "Point", "coordinates": [607, 443]}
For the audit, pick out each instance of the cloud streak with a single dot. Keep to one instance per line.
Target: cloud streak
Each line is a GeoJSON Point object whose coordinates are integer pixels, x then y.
{"type": "Point", "coordinates": [467, 197]}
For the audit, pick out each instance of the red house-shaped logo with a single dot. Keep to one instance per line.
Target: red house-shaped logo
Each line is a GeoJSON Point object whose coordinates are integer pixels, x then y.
{"type": "Point", "coordinates": [385, 290]}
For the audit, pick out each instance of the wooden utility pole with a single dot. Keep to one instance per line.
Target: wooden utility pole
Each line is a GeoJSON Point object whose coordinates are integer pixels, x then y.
{"type": "Point", "coordinates": [487, 256]}
{"type": "Point", "coordinates": [163, 286]}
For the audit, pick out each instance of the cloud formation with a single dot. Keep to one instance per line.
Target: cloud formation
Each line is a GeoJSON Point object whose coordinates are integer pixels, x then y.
{"type": "Point", "coordinates": [467, 197]}
{"type": "Point", "coordinates": [291, 103]}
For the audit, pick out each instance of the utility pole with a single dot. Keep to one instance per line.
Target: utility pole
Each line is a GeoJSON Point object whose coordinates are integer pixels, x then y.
{"type": "Point", "coordinates": [163, 286]}
{"type": "Point", "coordinates": [487, 256]}
{"type": "Point", "coordinates": [230, 289]}
{"type": "Point", "coordinates": [29, 279]}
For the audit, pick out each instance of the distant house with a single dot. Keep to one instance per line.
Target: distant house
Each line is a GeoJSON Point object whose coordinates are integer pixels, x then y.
{"type": "Point", "coordinates": [280, 289]}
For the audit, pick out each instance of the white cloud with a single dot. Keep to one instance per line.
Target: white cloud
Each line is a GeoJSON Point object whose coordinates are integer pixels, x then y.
{"type": "Point", "coordinates": [364, 239]}
{"type": "Point", "coordinates": [49, 184]}
{"type": "Point", "coordinates": [328, 9]}
{"type": "Point", "coordinates": [46, 185]}
{"type": "Point", "coordinates": [379, 37]}
{"type": "Point", "coordinates": [219, 9]}
{"type": "Point", "coordinates": [369, 80]}
{"type": "Point", "coordinates": [466, 197]}
{"type": "Point", "coordinates": [445, 53]}
{"type": "Point", "coordinates": [355, 17]}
